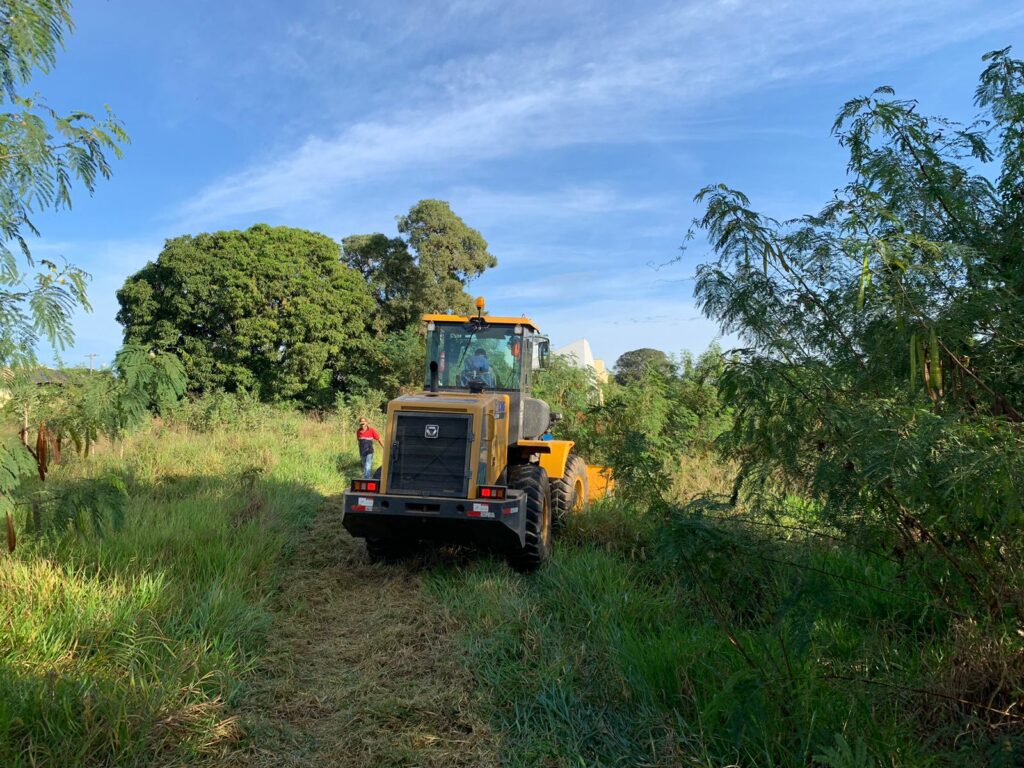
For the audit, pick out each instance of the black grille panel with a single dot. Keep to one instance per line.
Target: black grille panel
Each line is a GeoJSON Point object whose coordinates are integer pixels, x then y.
{"type": "Point", "coordinates": [429, 454]}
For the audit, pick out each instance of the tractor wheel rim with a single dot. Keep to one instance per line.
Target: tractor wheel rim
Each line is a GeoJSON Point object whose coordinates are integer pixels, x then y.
{"type": "Point", "coordinates": [578, 499]}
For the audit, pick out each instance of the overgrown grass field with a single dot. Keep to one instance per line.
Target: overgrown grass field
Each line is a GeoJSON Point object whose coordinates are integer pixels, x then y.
{"type": "Point", "coordinates": [131, 647]}
{"type": "Point", "coordinates": [707, 634]}
{"type": "Point", "coordinates": [703, 635]}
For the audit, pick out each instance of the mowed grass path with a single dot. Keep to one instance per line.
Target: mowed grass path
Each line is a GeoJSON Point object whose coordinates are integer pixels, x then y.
{"type": "Point", "coordinates": [363, 669]}
{"type": "Point", "coordinates": [229, 619]}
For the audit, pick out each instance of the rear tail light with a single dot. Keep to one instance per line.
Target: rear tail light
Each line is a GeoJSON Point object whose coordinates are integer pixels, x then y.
{"type": "Point", "coordinates": [491, 492]}
{"type": "Point", "coordinates": [366, 486]}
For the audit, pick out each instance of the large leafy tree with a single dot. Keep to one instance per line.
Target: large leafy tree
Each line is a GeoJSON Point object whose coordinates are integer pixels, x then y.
{"type": "Point", "coordinates": [426, 269]}
{"type": "Point", "coordinates": [633, 364]}
{"type": "Point", "coordinates": [449, 254]}
{"type": "Point", "coordinates": [884, 367]}
{"type": "Point", "coordinates": [391, 272]}
{"type": "Point", "coordinates": [43, 155]}
{"type": "Point", "coordinates": [269, 310]}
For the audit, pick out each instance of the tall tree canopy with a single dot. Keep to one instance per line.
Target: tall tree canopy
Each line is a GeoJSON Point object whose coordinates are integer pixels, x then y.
{"type": "Point", "coordinates": [391, 272]}
{"type": "Point", "coordinates": [633, 364]}
{"type": "Point", "coordinates": [884, 368]}
{"type": "Point", "coordinates": [43, 153]}
{"type": "Point", "coordinates": [271, 310]}
{"type": "Point", "coordinates": [426, 269]}
{"type": "Point", "coordinates": [449, 254]}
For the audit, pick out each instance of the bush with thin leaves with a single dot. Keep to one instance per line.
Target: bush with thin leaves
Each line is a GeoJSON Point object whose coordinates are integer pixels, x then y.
{"type": "Point", "coordinates": [883, 372]}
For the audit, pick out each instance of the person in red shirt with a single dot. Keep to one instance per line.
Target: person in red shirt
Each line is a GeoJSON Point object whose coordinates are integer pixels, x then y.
{"type": "Point", "coordinates": [366, 435]}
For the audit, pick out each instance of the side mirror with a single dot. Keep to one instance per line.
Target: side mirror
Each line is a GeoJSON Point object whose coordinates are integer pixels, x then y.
{"type": "Point", "coordinates": [542, 352]}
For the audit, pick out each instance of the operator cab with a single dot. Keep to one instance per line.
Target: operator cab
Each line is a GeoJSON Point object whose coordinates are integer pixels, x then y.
{"type": "Point", "coordinates": [482, 353]}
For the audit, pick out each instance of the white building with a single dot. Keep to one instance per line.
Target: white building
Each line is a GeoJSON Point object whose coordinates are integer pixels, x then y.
{"type": "Point", "coordinates": [582, 356]}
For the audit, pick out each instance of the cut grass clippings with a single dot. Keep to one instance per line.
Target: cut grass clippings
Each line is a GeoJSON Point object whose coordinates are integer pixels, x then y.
{"type": "Point", "coordinates": [362, 668]}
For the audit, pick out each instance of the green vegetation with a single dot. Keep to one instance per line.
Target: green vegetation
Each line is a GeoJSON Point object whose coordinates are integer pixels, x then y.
{"type": "Point", "coordinates": [129, 644]}
{"type": "Point", "coordinates": [632, 364]}
{"type": "Point", "coordinates": [813, 556]}
{"type": "Point", "coordinates": [290, 315]}
{"type": "Point", "coordinates": [642, 426]}
{"type": "Point", "coordinates": [43, 155]}
{"type": "Point", "coordinates": [720, 638]}
{"type": "Point", "coordinates": [270, 310]}
{"type": "Point", "coordinates": [854, 597]}
{"type": "Point", "coordinates": [426, 269]}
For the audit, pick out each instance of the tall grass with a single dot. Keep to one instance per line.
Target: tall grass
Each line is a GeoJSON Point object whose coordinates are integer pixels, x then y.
{"type": "Point", "coordinates": [712, 638]}
{"type": "Point", "coordinates": [129, 648]}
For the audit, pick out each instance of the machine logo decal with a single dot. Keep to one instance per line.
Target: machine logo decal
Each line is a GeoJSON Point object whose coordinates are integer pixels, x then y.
{"type": "Point", "coordinates": [431, 431]}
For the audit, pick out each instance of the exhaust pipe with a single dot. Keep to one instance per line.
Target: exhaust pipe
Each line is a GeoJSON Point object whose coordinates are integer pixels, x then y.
{"type": "Point", "coordinates": [433, 376]}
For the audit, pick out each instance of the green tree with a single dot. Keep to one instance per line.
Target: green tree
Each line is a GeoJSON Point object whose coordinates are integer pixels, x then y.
{"type": "Point", "coordinates": [883, 372]}
{"type": "Point", "coordinates": [268, 310]}
{"type": "Point", "coordinates": [391, 272]}
{"type": "Point", "coordinates": [631, 365]}
{"type": "Point", "coordinates": [43, 154]}
{"type": "Point", "coordinates": [449, 255]}
{"type": "Point", "coordinates": [572, 391]}
{"type": "Point", "coordinates": [425, 270]}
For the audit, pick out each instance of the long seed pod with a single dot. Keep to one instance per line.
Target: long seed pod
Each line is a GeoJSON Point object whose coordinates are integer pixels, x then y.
{"type": "Point", "coordinates": [865, 279]}
{"type": "Point", "coordinates": [12, 539]}
{"type": "Point", "coordinates": [934, 364]}
{"type": "Point", "coordinates": [42, 450]}
{"type": "Point", "coordinates": [913, 363]}
{"type": "Point", "coordinates": [922, 360]}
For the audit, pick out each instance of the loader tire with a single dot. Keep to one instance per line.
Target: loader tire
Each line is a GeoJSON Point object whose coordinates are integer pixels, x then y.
{"type": "Point", "coordinates": [532, 479]}
{"type": "Point", "coordinates": [570, 493]}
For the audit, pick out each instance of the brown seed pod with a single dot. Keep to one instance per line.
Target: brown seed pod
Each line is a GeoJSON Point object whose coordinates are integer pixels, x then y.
{"type": "Point", "coordinates": [42, 450]}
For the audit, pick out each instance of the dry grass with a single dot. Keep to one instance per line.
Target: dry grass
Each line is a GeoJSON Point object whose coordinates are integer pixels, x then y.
{"type": "Point", "coordinates": [699, 473]}
{"type": "Point", "coordinates": [362, 669]}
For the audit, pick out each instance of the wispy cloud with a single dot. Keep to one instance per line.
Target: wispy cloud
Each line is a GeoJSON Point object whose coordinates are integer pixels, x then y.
{"type": "Point", "coordinates": [590, 78]}
{"type": "Point", "coordinates": [480, 204]}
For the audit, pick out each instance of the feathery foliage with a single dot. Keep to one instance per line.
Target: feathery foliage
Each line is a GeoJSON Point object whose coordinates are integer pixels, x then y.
{"type": "Point", "coordinates": [43, 155]}
{"type": "Point", "coordinates": [883, 377]}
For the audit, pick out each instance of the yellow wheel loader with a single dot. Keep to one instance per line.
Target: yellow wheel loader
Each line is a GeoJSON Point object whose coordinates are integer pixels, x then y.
{"type": "Point", "coordinates": [465, 460]}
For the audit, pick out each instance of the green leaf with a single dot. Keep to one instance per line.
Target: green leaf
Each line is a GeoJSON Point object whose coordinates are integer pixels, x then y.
{"type": "Point", "coordinates": [935, 369]}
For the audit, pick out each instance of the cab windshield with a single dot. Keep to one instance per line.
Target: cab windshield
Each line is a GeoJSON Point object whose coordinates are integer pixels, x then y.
{"type": "Point", "coordinates": [482, 357]}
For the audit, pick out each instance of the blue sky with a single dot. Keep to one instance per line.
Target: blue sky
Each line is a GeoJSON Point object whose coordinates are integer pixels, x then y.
{"type": "Point", "coordinates": [572, 135]}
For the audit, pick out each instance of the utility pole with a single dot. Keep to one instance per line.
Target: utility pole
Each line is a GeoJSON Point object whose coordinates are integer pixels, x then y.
{"type": "Point", "coordinates": [92, 356]}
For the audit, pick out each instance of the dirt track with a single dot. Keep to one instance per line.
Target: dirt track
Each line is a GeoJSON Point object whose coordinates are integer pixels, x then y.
{"type": "Point", "coordinates": [362, 669]}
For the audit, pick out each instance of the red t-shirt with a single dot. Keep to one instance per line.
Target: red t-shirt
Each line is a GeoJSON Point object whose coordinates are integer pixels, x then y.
{"type": "Point", "coordinates": [366, 438]}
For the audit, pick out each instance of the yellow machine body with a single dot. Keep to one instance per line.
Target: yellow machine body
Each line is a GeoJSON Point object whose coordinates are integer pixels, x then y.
{"type": "Point", "coordinates": [462, 458]}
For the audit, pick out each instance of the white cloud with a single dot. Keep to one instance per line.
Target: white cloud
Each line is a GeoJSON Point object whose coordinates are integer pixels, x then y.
{"type": "Point", "coordinates": [484, 205]}
{"type": "Point", "coordinates": [591, 77]}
